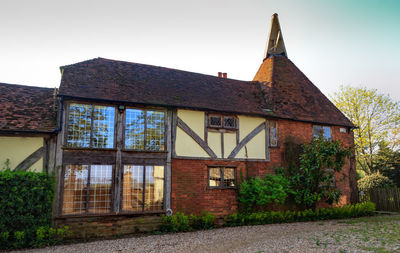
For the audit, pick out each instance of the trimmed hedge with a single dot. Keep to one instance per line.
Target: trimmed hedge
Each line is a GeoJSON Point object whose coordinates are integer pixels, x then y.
{"type": "Point", "coordinates": [25, 207]}
{"type": "Point", "coordinates": [349, 211]}
{"type": "Point", "coordinates": [180, 222]}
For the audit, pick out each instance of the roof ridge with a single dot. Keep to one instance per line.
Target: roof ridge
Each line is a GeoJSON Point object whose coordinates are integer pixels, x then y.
{"type": "Point", "coordinates": [27, 86]}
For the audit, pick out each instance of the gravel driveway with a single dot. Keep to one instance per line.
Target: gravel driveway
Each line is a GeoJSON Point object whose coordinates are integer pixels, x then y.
{"type": "Point", "coordinates": [357, 235]}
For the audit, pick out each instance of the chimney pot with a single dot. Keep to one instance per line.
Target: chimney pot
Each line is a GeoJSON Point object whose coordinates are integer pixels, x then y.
{"type": "Point", "coordinates": [224, 75]}
{"type": "Point", "coordinates": [219, 74]}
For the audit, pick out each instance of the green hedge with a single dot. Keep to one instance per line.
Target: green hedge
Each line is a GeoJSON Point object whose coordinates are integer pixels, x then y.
{"type": "Point", "coordinates": [180, 222]}
{"type": "Point", "coordinates": [25, 207]}
{"type": "Point", "coordinates": [349, 211]}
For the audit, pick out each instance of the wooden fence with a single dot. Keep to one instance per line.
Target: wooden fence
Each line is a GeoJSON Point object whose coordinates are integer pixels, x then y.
{"type": "Point", "coordinates": [386, 199]}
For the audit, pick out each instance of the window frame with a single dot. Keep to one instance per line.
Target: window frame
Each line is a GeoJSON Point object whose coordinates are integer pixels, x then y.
{"type": "Point", "coordinates": [121, 210]}
{"type": "Point", "coordinates": [323, 131]}
{"type": "Point", "coordinates": [221, 169]}
{"type": "Point", "coordinates": [269, 132]}
{"type": "Point", "coordinates": [87, 213]}
{"type": "Point", "coordinates": [223, 116]}
{"type": "Point", "coordinates": [67, 111]}
{"type": "Point", "coordinates": [145, 109]}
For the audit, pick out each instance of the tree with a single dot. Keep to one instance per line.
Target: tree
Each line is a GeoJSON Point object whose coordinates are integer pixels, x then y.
{"type": "Point", "coordinates": [377, 118]}
{"type": "Point", "coordinates": [312, 178]}
{"type": "Point", "coordinates": [388, 163]}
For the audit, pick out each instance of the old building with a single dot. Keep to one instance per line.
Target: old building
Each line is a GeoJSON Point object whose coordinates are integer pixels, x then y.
{"type": "Point", "coordinates": [137, 140]}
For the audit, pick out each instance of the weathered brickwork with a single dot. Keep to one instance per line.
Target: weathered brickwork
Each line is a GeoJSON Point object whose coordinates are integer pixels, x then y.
{"type": "Point", "coordinates": [190, 192]}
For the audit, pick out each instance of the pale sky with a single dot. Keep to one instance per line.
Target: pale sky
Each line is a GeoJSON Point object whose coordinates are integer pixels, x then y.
{"type": "Point", "coordinates": [333, 42]}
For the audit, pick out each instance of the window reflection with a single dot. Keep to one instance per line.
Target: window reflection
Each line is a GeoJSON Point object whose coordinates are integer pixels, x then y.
{"type": "Point", "coordinates": [103, 126]}
{"type": "Point", "coordinates": [79, 123]}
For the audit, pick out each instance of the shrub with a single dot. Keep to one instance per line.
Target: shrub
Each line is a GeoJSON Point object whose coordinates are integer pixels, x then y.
{"type": "Point", "coordinates": [374, 181]}
{"type": "Point", "coordinates": [25, 205]}
{"type": "Point", "coordinates": [349, 211]}
{"type": "Point", "coordinates": [257, 192]}
{"type": "Point", "coordinates": [179, 222]}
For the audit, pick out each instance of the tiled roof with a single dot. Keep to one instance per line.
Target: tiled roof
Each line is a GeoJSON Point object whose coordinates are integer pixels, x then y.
{"type": "Point", "coordinates": [138, 83]}
{"type": "Point", "coordinates": [294, 96]}
{"type": "Point", "coordinates": [26, 108]}
{"type": "Point", "coordinates": [279, 89]}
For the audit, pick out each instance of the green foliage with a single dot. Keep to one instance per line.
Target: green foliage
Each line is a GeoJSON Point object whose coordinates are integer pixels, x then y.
{"type": "Point", "coordinates": [312, 180]}
{"type": "Point", "coordinates": [25, 205]}
{"type": "Point", "coordinates": [377, 117]}
{"type": "Point", "coordinates": [374, 181]}
{"type": "Point", "coordinates": [388, 163]}
{"type": "Point", "coordinates": [349, 211]}
{"type": "Point", "coordinates": [180, 222]}
{"type": "Point", "coordinates": [257, 192]}
{"type": "Point", "coordinates": [6, 164]}
{"type": "Point", "coordinates": [46, 235]}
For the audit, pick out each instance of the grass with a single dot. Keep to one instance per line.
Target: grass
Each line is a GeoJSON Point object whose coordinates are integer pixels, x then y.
{"type": "Point", "coordinates": [375, 234]}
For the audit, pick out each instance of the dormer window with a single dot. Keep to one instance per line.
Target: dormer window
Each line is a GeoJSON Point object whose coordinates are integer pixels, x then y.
{"type": "Point", "coordinates": [222, 121]}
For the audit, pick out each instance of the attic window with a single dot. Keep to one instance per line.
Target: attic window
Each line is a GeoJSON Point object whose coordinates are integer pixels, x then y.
{"type": "Point", "coordinates": [325, 131]}
{"type": "Point", "coordinates": [222, 121]}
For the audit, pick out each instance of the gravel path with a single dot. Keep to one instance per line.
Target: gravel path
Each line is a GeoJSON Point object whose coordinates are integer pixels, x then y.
{"type": "Point", "coordinates": [328, 236]}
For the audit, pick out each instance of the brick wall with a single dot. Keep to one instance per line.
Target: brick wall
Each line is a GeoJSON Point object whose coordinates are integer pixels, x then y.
{"type": "Point", "coordinates": [190, 192]}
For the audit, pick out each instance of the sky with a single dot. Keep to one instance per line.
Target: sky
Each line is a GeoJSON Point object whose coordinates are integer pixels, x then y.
{"type": "Point", "coordinates": [341, 42]}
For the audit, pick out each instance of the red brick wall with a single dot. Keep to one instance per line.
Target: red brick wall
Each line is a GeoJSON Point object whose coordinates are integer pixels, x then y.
{"type": "Point", "coordinates": [189, 191]}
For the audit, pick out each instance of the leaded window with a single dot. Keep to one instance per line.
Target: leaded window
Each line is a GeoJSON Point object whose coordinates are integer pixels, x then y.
{"type": "Point", "coordinates": [143, 188]}
{"type": "Point", "coordinates": [325, 131]}
{"type": "Point", "coordinates": [221, 177]}
{"type": "Point", "coordinates": [273, 133]}
{"type": "Point", "coordinates": [87, 189]}
{"type": "Point", "coordinates": [144, 130]}
{"type": "Point", "coordinates": [90, 126]}
{"type": "Point", "coordinates": [222, 121]}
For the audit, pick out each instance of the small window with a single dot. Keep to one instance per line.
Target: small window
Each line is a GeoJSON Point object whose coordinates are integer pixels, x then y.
{"type": "Point", "coordinates": [222, 122]}
{"type": "Point", "coordinates": [273, 134]}
{"type": "Point", "coordinates": [215, 121]}
{"type": "Point", "coordinates": [221, 177]}
{"type": "Point", "coordinates": [322, 130]}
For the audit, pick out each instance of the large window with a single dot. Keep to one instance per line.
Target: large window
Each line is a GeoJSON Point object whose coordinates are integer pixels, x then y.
{"type": "Point", "coordinates": [90, 126]}
{"type": "Point", "coordinates": [143, 188]}
{"type": "Point", "coordinates": [221, 177]}
{"type": "Point", "coordinates": [144, 130]}
{"type": "Point", "coordinates": [322, 130]}
{"type": "Point", "coordinates": [87, 189]}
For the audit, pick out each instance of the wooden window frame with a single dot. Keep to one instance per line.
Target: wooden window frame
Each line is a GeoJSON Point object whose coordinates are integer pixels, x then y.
{"type": "Point", "coordinates": [145, 129]}
{"type": "Point", "coordinates": [67, 111]}
{"type": "Point", "coordinates": [330, 130]}
{"type": "Point", "coordinates": [222, 168]}
{"type": "Point", "coordinates": [86, 213]}
{"type": "Point", "coordinates": [223, 116]}
{"type": "Point", "coordinates": [144, 188]}
{"type": "Point", "coordinates": [269, 132]}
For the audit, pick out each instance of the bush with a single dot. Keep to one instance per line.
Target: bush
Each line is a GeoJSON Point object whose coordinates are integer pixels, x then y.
{"type": "Point", "coordinates": [25, 205]}
{"type": "Point", "coordinates": [179, 222]}
{"type": "Point", "coordinates": [374, 181]}
{"type": "Point", "coordinates": [258, 192]}
{"type": "Point", "coordinates": [349, 211]}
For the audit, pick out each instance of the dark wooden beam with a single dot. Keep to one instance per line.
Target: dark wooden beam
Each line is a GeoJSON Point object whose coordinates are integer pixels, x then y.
{"type": "Point", "coordinates": [30, 160]}
{"type": "Point", "coordinates": [246, 140]}
{"type": "Point", "coordinates": [182, 125]}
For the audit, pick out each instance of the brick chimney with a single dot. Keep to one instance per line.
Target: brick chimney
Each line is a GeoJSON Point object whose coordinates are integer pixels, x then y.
{"type": "Point", "coordinates": [219, 74]}
{"type": "Point", "coordinates": [224, 75]}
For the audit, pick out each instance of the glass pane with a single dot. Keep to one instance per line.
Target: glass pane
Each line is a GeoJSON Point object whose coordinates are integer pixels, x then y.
{"type": "Point", "coordinates": [103, 126]}
{"type": "Point", "coordinates": [229, 122]}
{"type": "Point", "coordinates": [317, 130]}
{"type": "Point", "coordinates": [132, 191]}
{"type": "Point", "coordinates": [155, 130]}
{"type": "Point", "coordinates": [273, 136]}
{"type": "Point", "coordinates": [134, 129]}
{"type": "Point", "coordinates": [75, 189]}
{"type": "Point", "coordinates": [154, 196]}
{"type": "Point", "coordinates": [229, 177]}
{"type": "Point", "coordinates": [215, 177]}
{"type": "Point", "coordinates": [79, 123]}
{"type": "Point", "coordinates": [100, 188]}
{"type": "Point", "coordinates": [215, 121]}
{"type": "Point", "coordinates": [327, 132]}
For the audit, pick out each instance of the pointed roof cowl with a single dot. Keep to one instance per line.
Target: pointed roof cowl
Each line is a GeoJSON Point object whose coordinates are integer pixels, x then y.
{"type": "Point", "coordinates": [275, 44]}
